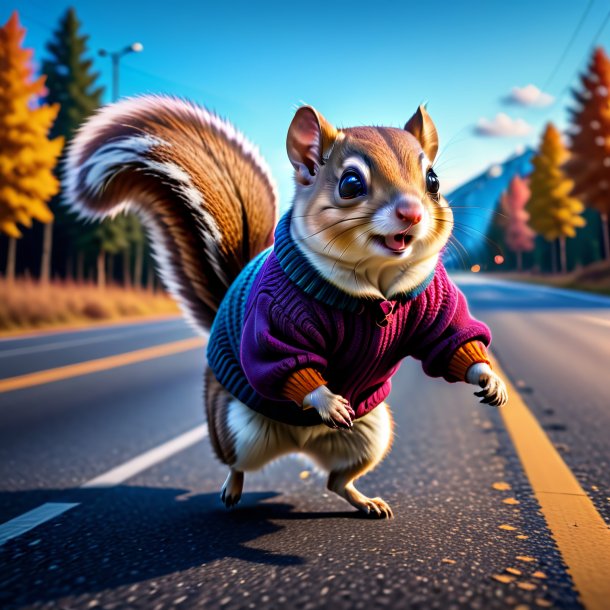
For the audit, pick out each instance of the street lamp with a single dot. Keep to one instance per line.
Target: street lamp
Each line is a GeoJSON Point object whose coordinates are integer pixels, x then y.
{"type": "Point", "coordinates": [115, 56]}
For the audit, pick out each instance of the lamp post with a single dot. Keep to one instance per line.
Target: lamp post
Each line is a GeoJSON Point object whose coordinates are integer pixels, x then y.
{"type": "Point", "coordinates": [115, 57]}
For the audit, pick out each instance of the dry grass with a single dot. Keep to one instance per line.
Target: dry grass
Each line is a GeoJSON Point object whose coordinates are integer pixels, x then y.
{"type": "Point", "coordinates": [592, 278]}
{"type": "Point", "coordinates": [25, 304]}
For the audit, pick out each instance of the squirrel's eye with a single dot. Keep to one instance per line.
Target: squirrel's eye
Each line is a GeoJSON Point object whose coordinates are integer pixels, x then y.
{"type": "Point", "coordinates": [351, 185]}
{"type": "Point", "coordinates": [432, 183]}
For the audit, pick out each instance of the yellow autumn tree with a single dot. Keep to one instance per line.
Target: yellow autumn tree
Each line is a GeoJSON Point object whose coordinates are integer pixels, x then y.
{"type": "Point", "coordinates": [554, 213]}
{"type": "Point", "coordinates": [27, 155]}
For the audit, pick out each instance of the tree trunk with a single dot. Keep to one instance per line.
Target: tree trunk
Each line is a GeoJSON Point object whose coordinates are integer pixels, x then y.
{"type": "Point", "coordinates": [150, 279]}
{"type": "Point", "coordinates": [519, 260]}
{"type": "Point", "coordinates": [553, 257]}
{"type": "Point", "coordinates": [139, 265]}
{"type": "Point", "coordinates": [11, 260]}
{"type": "Point", "coordinates": [47, 249]}
{"type": "Point", "coordinates": [563, 260]}
{"type": "Point", "coordinates": [80, 267]}
{"type": "Point", "coordinates": [126, 269]}
{"type": "Point", "coordinates": [101, 269]}
{"type": "Point", "coordinates": [110, 269]}
{"type": "Point", "coordinates": [605, 235]}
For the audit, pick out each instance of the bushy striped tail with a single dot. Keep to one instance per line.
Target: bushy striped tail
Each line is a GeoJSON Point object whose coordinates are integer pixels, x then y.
{"type": "Point", "coordinates": [203, 191]}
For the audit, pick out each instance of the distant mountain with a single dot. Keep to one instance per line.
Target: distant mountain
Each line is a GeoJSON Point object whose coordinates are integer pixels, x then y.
{"type": "Point", "coordinates": [474, 205]}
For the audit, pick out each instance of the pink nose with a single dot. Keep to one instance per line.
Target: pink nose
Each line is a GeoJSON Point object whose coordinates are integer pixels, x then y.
{"type": "Point", "coordinates": [409, 211]}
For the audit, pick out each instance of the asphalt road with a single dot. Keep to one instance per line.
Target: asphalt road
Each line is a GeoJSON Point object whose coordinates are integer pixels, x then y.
{"type": "Point", "coordinates": [161, 539]}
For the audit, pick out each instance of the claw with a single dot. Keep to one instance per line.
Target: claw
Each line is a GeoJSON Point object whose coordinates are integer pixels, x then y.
{"type": "Point", "coordinates": [377, 508]}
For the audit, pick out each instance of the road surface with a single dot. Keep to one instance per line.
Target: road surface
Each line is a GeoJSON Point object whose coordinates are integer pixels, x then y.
{"type": "Point", "coordinates": [109, 487]}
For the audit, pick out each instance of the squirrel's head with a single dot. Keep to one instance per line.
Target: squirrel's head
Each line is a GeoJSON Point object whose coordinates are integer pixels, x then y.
{"type": "Point", "coordinates": [367, 211]}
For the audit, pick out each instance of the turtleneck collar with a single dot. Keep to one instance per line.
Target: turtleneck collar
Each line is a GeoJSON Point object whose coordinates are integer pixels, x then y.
{"type": "Point", "coordinates": [296, 266]}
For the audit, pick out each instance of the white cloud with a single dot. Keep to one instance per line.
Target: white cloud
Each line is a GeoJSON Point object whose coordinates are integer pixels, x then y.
{"type": "Point", "coordinates": [502, 126]}
{"type": "Point", "coordinates": [495, 171]}
{"type": "Point", "coordinates": [529, 95]}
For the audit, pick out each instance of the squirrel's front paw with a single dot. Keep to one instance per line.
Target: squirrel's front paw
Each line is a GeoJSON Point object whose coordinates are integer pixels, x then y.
{"type": "Point", "coordinates": [494, 390]}
{"type": "Point", "coordinates": [334, 410]}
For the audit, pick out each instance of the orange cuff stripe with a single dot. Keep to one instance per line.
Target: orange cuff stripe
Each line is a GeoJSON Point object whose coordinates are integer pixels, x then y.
{"type": "Point", "coordinates": [300, 383]}
{"type": "Point", "coordinates": [465, 356]}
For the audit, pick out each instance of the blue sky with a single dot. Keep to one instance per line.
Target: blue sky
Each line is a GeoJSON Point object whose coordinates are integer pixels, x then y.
{"type": "Point", "coordinates": [357, 62]}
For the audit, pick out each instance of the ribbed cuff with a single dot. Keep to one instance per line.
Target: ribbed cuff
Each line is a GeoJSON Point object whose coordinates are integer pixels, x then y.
{"type": "Point", "coordinates": [300, 383]}
{"type": "Point", "coordinates": [465, 356]}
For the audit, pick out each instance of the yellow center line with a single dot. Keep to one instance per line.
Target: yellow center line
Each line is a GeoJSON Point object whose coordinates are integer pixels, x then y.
{"type": "Point", "coordinates": [100, 364]}
{"type": "Point", "coordinates": [581, 534]}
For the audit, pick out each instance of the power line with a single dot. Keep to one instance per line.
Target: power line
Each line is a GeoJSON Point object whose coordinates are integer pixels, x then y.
{"type": "Point", "coordinates": [569, 45]}
{"type": "Point", "coordinates": [174, 83]}
{"type": "Point", "coordinates": [157, 77]}
{"type": "Point", "coordinates": [592, 44]}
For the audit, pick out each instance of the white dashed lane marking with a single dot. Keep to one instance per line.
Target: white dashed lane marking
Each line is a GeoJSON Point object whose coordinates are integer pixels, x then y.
{"type": "Point", "coordinates": [45, 512]}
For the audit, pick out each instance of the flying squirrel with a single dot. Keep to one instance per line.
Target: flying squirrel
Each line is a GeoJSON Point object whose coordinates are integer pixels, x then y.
{"type": "Point", "coordinates": [309, 317]}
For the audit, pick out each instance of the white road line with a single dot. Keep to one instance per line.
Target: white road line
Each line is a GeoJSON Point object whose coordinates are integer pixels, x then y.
{"type": "Point", "coordinates": [598, 321]}
{"type": "Point", "coordinates": [45, 512]}
{"type": "Point", "coordinates": [24, 523]}
{"type": "Point", "coordinates": [149, 458]}
{"type": "Point", "coordinates": [57, 345]}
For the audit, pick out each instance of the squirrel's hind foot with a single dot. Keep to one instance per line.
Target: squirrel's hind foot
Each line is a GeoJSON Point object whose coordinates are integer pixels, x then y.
{"type": "Point", "coordinates": [376, 508]}
{"type": "Point", "coordinates": [230, 494]}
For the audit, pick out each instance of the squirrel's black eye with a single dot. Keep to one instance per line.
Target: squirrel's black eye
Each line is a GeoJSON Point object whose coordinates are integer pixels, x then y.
{"type": "Point", "coordinates": [351, 185]}
{"type": "Point", "coordinates": [432, 183]}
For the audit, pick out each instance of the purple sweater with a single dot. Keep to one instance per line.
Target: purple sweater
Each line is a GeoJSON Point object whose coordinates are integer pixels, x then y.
{"type": "Point", "coordinates": [356, 345]}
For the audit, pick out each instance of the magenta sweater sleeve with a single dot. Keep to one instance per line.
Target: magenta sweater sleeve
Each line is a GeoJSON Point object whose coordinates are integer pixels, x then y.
{"type": "Point", "coordinates": [446, 326]}
{"type": "Point", "coordinates": [275, 344]}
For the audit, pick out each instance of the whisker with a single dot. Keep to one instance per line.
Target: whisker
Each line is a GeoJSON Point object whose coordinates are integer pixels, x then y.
{"type": "Point", "coordinates": [364, 258]}
{"type": "Point", "coordinates": [464, 227]}
{"type": "Point", "coordinates": [330, 226]}
{"type": "Point", "coordinates": [475, 207]}
{"type": "Point", "coordinates": [347, 248]}
{"type": "Point", "coordinates": [454, 242]}
{"type": "Point", "coordinates": [334, 239]}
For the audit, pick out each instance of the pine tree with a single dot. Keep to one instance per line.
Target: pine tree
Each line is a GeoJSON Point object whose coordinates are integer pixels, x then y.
{"type": "Point", "coordinates": [554, 213]}
{"type": "Point", "coordinates": [519, 236]}
{"type": "Point", "coordinates": [103, 239]}
{"type": "Point", "coordinates": [27, 154]}
{"type": "Point", "coordinates": [71, 83]}
{"type": "Point", "coordinates": [589, 165]}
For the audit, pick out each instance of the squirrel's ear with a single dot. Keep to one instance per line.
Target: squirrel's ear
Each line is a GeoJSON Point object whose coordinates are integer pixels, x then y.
{"type": "Point", "coordinates": [310, 138]}
{"type": "Point", "coordinates": [422, 127]}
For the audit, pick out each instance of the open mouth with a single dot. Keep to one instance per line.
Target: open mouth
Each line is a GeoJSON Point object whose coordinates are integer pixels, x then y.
{"type": "Point", "coordinates": [397, 243]}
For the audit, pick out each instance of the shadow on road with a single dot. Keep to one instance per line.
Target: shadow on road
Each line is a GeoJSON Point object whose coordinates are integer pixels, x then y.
{"type": "Point", "coordinates": [129, 534]}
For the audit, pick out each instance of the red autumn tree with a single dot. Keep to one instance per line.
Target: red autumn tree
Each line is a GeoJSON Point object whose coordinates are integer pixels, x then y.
{"type": "Point", "coordinates": [518, 234]}
{"type": "Point", "coordinates": [589, 165]}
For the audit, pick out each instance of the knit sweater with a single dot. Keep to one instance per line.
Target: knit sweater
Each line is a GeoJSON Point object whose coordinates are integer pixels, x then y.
{"type": "Point", "coordinates": [282, 330]}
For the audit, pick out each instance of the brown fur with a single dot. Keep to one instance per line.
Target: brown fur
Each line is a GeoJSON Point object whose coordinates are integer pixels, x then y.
{"type": "Point", "coordinates": [166, 157]}
{"type": "Point", "coordinates": [340, 236]}
{"type": "Point", "coordinates": [236, 194]}
{"type": "Point", "coordinates": [217, 400]}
